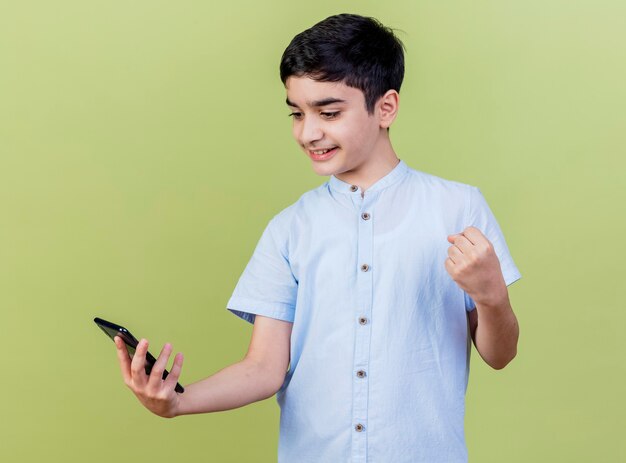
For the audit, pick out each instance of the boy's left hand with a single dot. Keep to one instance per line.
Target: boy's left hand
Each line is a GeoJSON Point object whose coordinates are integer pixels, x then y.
{"type": "Point", "coordinates": [474, 266]}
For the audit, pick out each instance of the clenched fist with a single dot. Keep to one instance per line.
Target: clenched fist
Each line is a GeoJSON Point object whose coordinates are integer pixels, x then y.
{"type": "Point", "coordinates": [474, 266]}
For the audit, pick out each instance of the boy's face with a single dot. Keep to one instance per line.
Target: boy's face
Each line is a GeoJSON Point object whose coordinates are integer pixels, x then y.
{"type": "Point", "coordinates": [333, 127]}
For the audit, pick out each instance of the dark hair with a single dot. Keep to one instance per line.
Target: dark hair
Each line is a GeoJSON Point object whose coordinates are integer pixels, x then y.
{"type": "Point", "coordinates": [356, 50]}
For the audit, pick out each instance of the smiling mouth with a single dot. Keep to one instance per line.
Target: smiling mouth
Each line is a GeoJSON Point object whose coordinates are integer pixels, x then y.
{"type": "Point", "coordinates": [322, 154]}
{"type": "Point", "coordinates": [324, 151]}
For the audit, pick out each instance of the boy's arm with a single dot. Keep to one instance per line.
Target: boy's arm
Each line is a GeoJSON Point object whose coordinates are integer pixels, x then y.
{"type": "Point", "coordinates": [258, 376]}
{"type": "Point", "coordinates": [495, 332]}
{"type": "Point", "coordinates": [474, 266]}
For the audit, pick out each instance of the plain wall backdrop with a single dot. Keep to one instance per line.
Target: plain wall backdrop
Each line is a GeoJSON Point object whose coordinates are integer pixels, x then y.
{"type": "Point", "coordinates": [145, 145]}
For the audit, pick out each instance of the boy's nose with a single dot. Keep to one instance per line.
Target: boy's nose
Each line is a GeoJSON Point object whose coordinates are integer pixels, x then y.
{"type": "Point", "coordinates": [310, 132]}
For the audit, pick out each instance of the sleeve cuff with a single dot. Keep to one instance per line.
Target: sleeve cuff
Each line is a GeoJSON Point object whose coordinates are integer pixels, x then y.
{"type": "Point", "coordinates": [248, 309]}
{"type": "Point", "coordinates": [512, 278]}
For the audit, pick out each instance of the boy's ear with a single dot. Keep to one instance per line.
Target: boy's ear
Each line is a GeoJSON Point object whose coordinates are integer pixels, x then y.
{"type": "Point", "coordinates": [388, 106]}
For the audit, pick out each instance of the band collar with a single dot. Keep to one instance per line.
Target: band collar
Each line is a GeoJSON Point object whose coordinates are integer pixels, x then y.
{"type": "Point", "coordinates": [396, 174]}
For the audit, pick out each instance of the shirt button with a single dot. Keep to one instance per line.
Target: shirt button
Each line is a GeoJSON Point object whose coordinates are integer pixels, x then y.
{"type": "Point", "coordinates": [363, 320]}
{"type": "Point", "coordinates": [353, 188]}
{"type": "Point", "coordinates": [365, 216]}
{"type": "Point", "coordinates": [359, 427]}
{"type": "Point", "coordinates": [365, 267]}
{"type": "Point", "coordinates": [361, 374]}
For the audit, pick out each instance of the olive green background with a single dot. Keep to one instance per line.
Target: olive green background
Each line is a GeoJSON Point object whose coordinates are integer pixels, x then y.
{"type": "Point", "coordinates": [144, 146]}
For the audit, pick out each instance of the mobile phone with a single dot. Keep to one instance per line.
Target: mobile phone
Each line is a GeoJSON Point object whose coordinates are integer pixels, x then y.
{"type": "Point", "coordinates": [112, 330]}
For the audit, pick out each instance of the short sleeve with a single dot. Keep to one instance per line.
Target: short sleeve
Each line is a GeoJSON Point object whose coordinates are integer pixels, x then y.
{"type": "Point", "coordinates": [481, 217]}
{"type": "Point", "coordinates": [267, 286]}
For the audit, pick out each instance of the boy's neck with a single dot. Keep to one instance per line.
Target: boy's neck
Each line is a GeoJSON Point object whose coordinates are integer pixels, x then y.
{"type": "Point", "coordinates": [373, 170]}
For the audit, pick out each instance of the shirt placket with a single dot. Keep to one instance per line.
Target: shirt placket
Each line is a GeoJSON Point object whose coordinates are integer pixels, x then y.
{"type": "Point", "coordinates": [362, 320]}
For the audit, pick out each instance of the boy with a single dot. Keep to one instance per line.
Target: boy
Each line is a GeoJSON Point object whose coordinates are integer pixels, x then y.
{"type": "Point", "coordinates": [366, 292]}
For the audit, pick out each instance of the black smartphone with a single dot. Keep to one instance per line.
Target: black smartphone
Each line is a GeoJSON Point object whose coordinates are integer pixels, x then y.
{"type": "Point", "coordinates": [112, 330]}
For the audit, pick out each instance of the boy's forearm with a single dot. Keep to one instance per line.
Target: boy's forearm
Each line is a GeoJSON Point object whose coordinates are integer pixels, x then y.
{"type": "Point", "coordinates": [237, 385]}
{"type": "Point", "coordinates": [497, 332]}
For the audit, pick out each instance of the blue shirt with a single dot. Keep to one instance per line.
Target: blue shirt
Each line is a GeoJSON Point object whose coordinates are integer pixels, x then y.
{"type": "Point", "coordinates": [380, 342]}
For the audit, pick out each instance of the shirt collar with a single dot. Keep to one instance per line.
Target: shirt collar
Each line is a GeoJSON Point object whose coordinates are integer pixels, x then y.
{"type": "Point", "coordinates": [396, 174]}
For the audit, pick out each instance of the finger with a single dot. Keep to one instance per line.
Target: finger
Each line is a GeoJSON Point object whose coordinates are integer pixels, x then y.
{"type": "Point", "coordinates": [124, 359]}
{"type": "Point", "coordinates": [463, 244]}
{"type": "Point", "coordinates": [455, 254]}
{"type": "Point", "coordinates": [451, 238]}
{"type": "Point", "coordinates": [474, 235]}
{"type": "Point", "coordinates": [449, 264]}
{"type": "Point", "coordinates": [172, 378]}
{"type": "Point", "coordinates": [138, 364]}
{"type": "Point", "coordinates": [156, 375]}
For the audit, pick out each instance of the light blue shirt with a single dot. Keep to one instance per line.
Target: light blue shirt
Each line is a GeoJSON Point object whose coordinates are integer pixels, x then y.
{"type": "Point", "coordinates": [380, 342]}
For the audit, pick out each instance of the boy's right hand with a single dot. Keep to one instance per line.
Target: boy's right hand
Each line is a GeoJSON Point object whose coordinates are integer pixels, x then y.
{"type": "Point", "coordinates": [155, 393]}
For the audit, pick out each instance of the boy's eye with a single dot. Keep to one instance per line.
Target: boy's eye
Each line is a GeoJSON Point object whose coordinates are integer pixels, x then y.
{"type": "Point", "coordinates": [296, 115]}
{"type": "Point", "coordinates": [330, 115]}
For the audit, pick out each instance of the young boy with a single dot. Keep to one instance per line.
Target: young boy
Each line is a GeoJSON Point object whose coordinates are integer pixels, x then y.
{"type": "Point", "coordinates": [366, 292]}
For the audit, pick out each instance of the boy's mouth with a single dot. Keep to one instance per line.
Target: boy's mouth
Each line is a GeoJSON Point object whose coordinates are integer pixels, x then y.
{"type": "Point", "coordinates": [322, 154]}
